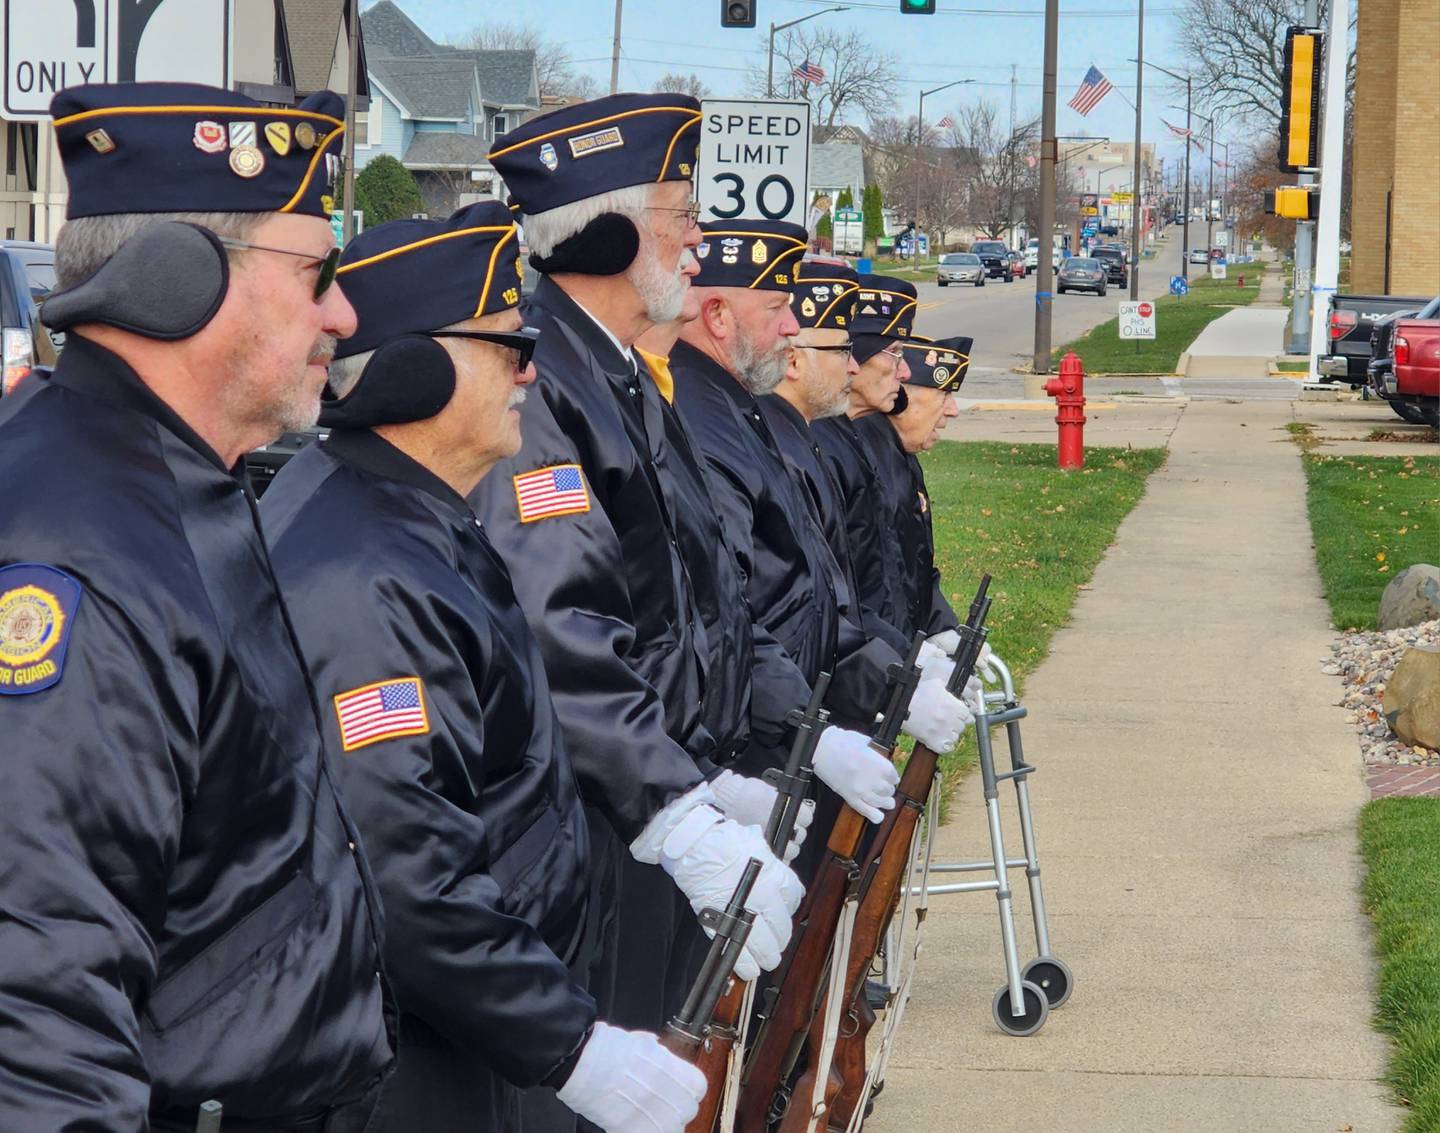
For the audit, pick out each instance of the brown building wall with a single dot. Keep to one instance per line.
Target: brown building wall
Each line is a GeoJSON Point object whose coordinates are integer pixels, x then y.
{"type": "Point", "coordinates": [1396, 162]}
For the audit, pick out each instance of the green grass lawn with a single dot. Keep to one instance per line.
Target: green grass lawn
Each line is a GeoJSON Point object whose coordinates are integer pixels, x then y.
{"type": "Point", "coordinates": [1371, 517]}
{"type": "Point", "coordinates": [1039, 532]}
{"type": "Point", "coordinates": [1177, 322]}
{"type": "Point", "coordinates": [1400, 839]}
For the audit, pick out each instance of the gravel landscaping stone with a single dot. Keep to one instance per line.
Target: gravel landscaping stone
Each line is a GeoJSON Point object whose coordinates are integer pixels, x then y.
{"type": "Point", "coordinates": [1364, 662]}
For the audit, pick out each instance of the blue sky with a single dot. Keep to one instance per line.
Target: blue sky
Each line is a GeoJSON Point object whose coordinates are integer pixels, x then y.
{"type": "Point", "coordinates": [977, 39]}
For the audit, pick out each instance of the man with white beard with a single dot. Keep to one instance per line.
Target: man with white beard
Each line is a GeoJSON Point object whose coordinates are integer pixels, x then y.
{"type": "Point", "coordinates": [591, 517]}
{"type": "Point", "coordinates": [734, 353]}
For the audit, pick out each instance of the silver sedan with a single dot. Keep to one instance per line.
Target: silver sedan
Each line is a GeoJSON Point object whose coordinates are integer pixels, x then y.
{"type": "Point", "coordinates": [960, 267]}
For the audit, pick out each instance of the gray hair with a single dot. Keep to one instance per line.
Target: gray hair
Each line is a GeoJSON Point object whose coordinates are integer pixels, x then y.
{"type": "Point", "coordinates": [85, 243]}
{"type": "Point", "coordinates": [545, 230]}
{"type": "Point", "coordinates": [345, 372]}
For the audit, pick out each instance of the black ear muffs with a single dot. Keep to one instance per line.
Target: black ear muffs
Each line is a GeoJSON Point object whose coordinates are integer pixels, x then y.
{"type": "Point", "coordinates": [165, 283]}
{"type": "Point", "coordinates": [902, 402]}
{"type": "Point", "coordinates": [409, 378]}
{"type": "Point", "coordinates": [606, 246]}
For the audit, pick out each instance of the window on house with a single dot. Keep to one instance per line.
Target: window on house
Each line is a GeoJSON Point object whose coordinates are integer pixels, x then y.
{"type": "Point", "coordinates": [362, 127]}
{"type": "Point", "coordinates": [498, 125]}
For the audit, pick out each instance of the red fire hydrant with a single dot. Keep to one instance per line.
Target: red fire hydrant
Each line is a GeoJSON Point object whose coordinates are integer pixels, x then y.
{"type": "Point", "coordinates": [1068, 390]}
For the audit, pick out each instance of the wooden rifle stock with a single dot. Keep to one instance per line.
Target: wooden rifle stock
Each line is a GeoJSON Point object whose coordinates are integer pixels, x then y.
{"type": "Point", "coordinates": [712, 1055]}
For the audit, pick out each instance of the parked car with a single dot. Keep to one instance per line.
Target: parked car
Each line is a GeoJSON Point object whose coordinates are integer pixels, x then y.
{"type": "Point", "coordinates": [23, 340]}
{"type": "Point", "coordinates": [1017, 265]}
{"type": "Point", "coordinates": [1199, 256]}
{"type": "Point", "coordinates": [960, 267]}
{"type": "Point", "coordinates": [1113, 258]}
{"type": "Point", "coordinates": [1032, 255]}
{"type": "Point", "coordinates": [1405, 366]}
{"type": "Point", "coordinates": [995, 256]}
{"type": "Point", "coordinates": [1352, 319]}
{"type": "Point", "coordinates": [1081, 273]}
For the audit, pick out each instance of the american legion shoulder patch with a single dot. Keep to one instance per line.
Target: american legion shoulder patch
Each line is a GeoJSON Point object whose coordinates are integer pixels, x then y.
{"type": "Point", "coordinates": [37, 614]}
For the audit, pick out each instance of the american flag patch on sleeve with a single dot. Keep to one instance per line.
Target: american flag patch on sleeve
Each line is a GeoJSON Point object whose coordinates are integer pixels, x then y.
{"type": "Point", "coordinates": [381, 711]}
{"type": "Point", "coordinates": [556, 490]}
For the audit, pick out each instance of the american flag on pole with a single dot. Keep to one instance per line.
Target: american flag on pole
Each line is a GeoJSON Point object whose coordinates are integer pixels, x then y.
{"type": "Point", "coordinates": [809, 72]}
{"type": "Point", "coordinates": [381, 711]}
{"type": "Point", "coordinates": [1178, 131]}
{"type": "Point", "coordinates": [1095, 87]}
{"type": "Point", "coordinates": [945, 123]}
{"type": "Point", "coordinates": [556, 490]}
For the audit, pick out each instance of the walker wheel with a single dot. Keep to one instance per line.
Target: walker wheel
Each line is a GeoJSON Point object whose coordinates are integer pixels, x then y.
{"type": "Point", "coordinates": [1051, 976]}
{"type": "Point", "coordinates": [1036, 1010]}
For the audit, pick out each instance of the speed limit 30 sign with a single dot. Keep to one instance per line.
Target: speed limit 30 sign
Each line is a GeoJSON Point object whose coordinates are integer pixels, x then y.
{"type": "Point", "coordinates": [754, 160]}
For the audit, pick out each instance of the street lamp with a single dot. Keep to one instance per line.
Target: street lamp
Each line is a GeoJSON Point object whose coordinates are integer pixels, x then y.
{"type": "Point", "coordinates": [1210, 185]}
{"type": "Point", "coordinates": [1185, 227]}
{"type": "Point", "coordinates": [919, 133]}
{"type": "Point", "coordinates": [770, 66]}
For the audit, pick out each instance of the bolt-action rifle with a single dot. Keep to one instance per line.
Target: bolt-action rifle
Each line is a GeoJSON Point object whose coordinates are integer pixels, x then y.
{"type": "Point", "coordinates": [794, 999]}
{"type": "Point", "coordinates": [883, 874]}
{"type": "Point", "coordinates": [710, 1020]}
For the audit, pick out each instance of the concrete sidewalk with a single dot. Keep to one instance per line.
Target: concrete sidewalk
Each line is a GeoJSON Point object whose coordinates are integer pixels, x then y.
{"type": "Point", "coordinates": [1241, 343]}
{"type": "Point", "coordinates": [1195, 808]}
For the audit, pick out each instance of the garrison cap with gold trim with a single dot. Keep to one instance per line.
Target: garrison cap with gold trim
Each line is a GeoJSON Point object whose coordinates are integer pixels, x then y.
{"type": "Point", "coordinates": [590, 148]}
{"type": "Point", "coordinates": [762, 255]}
{"type": "Point", "coordinates": [884, 305]}
{"type": "Point", "coordinates": [939, 363]}
{"type": "Point", "coordinates": [413, 276]}
{"type": "Point", "coordinates": [186, 147]}
{"type": "Point", "coordinates": [825, 295]}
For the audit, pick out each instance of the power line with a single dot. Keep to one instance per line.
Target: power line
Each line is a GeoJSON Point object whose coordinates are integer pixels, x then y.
{"type": "Point", "coordinates": [1021, 13]}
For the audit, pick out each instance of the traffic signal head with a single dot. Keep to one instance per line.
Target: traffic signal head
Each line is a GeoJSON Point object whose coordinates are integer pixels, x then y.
{"type": "Point", "coordinates": [1300, 110]}
{"type": "Point", "coordinates": [918, 7]}
{"type": "Point", "coordinates": [737, 13]}
{"type": "Point", "coordinates": [1295, 202]}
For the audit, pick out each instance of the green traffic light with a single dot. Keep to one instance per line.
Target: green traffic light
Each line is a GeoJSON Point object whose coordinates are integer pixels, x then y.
{"type": "Point", "coordinates": [918, 7]}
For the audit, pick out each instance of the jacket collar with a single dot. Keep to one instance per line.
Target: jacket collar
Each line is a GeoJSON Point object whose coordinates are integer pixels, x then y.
{"type": "Point", "coordinates": [686, 357]}
{"type": "Point", "coordinates": [370, 452]}
{"type": "Point", "coordinates": [89, 369]}
{"type": "Point", "coordinates": [550, 297]}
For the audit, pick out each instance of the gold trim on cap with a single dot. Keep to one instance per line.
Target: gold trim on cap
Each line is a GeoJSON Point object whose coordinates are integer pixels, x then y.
{"type": "Point", "coordinates": [403, 248]}
{"type": "Point", "coordinates": [843, 287]}
{"type": "Point", "coordinates": [310, 169]}
{"type": "Point", "coordinates": [493, 154]}
{"type": "Point", "coordinates": [490, 271]}
{"type": "Point", "coordinates": [670, 149]}
{"type": "Point", "coordinates": [248, 110]}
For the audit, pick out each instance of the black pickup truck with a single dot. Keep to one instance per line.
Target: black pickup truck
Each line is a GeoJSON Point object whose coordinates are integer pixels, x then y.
{"type": "Point", "coordinates": [1352, 318]}
{"type": "Point", "coordinates": [996, 258]}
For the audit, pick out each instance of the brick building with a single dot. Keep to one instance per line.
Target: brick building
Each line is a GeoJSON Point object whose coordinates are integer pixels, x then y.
{"type": "Point", "coordinates": [1395, 172]}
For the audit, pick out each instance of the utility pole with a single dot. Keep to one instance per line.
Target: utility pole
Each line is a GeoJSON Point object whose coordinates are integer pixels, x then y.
{"type": "Point", "coordinates": [1135, 193]}
{"type": "Point", "coordinates": [1010, 150]}
{"type": "Point", "coordinates": [347, 223]}
{"type": "Point", "coordinates": [1044, 267]}
{"type": "Point", "coordinates": [1304, 244]}
{"type": "Point", "coordinates": [1332, 174]}
{"type": "Point", "coordinates": [615, 51]}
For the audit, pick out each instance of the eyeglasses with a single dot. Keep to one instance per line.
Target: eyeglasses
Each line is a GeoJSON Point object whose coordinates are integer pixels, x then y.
{"type": "Point", "coordinates": [691, 212]}
{"type": "Point", "coordinates": [842, 348]}
{"type": "Point", "coordinates": [521, 341]}
{"type": "Point", "coordinates": [328, 263]}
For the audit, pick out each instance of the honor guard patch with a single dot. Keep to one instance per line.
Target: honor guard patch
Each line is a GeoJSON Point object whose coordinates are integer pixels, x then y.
{"type": "Point", "coordinates": [381, 711]}
{"type": "Point", "coordinates": [595, 142]}
{"type": "Point", "coordinates": [37, 612]}
{"type": "Point", "coordinates": [547, 492]}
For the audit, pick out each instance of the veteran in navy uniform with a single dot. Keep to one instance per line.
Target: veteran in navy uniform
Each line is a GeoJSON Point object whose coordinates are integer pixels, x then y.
{"type": "Point", "coordinates": [598, 530]}
{"type": "Point", "coordinates": [895, 440]}
{"type": "Point", "coordinates": [735, 352]}
{"type": "Point", "coordinates": [454, 766]}
{"type": "Point", "coordinates": [185, 909]}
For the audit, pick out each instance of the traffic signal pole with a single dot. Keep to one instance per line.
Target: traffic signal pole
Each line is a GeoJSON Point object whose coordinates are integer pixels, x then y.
{"type": "Point", "coordinates": [1332, 175]}
{"type": "Point", "coordinates": [1304, 248]}
{"type": "Point", "coordinates": [1044, 265]}
{"type": "Point", "coordinates": [1136, 197]}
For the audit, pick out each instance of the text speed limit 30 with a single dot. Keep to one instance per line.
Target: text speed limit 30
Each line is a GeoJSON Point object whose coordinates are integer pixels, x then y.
{"type": "Point", "coordinates": [754, 159]}
{"type": "Point", "coordinates": [1137, 320]}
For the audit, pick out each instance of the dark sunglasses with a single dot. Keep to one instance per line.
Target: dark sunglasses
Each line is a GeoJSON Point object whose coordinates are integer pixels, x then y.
{"type": "Point", "coordinates": [521, 341]}
{"type": "Point", "coordinates": [328, 264]}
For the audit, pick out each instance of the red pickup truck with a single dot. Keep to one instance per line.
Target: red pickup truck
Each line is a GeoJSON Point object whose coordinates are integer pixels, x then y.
{"type": "Point", "coordinates": [1414, 375]}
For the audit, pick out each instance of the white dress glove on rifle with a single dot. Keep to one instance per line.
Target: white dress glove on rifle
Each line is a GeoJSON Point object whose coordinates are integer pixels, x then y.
{"type": "Point", "coordinates": [947, 641]}
{"type": "Point", "coordinates": [936, 718]}
{"type": "Point", "coordinates": [706, 853]}
{"type": "Point", "coordinates": [626, 1082]}
{"type": "Point", "coordinates": [934, 662]}
{"type": "Point", "coordinates": [750, 802]}
{"type": "Point", "coordinates": [849, 766]}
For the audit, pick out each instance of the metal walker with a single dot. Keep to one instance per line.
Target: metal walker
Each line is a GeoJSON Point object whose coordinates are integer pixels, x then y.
{"type": "Point", "coordinates": [1022, 1004]}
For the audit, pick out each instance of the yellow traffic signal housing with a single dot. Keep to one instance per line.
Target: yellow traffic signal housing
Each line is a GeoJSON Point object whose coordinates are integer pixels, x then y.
{"type": "Point", "coordinates": [1300, 111]}
{"type": "Point", "coordinates": [1295, 202]}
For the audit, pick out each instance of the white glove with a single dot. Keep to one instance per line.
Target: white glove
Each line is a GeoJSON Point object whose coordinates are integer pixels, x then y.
{"type": "Point", "coordinates": [934, 663]}
{"type": "Point", "coordinates": [983, 666]}
{"type": "Point", "coordinates": [936, 718]}
{"type": "Point", "coordinates": [750, 801]}
{"type": "Point", "coordinates": [849, 766]}
{"type": "Point", "coordinates": [706, 853]}
{"type": "Point", "coordinates": [974, 695]}
{"type": "Point", "coordinates": [947, 641]}
{"type": "Point", "coordinates": [626, 1082]}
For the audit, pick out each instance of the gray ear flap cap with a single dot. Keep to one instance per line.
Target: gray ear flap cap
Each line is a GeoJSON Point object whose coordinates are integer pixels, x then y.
{"type": "Point", "coordinates": [165, 283]}
{"type": "Point", "coordinates": [606, 246]}
{"type": "Point", "coordinates": [409, 378]}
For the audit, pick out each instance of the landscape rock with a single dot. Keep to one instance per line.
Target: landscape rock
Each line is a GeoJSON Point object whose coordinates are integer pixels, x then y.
{"type": "Point", "coordinates": [1365, 661]}
{"type": "Point", "coordinates": [1412, 698]}
{"type": "Point", "coordinates": [1412, 597]}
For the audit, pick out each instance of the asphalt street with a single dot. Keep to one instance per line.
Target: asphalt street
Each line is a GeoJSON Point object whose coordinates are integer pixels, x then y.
{"type": "Point", "coordinates": [1001, 316]}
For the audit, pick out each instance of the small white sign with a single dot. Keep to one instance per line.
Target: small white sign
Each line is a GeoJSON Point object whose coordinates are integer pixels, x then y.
{"type": "Point", "coordinates": [1217, 269]}
{"type": "Point", "coordinates": [754, 160]}
{"type": "Point", "coordinates": [1137, 320]}
{"type": "Point", "coordinates": [1222, 239]}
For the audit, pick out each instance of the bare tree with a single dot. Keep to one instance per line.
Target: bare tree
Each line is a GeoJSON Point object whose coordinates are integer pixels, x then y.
{"type": "Point", "coordinates": [674, 82]}
{"type": "Point", "coordinates": [859, 80]}
{"type": "Point", "coordinates": [999, 175]}
{"type": "Point", "coordinates": [553, 64]}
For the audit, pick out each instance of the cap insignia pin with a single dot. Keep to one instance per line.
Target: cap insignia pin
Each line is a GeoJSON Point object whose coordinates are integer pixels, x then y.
{"type": "Point", "coordinates": [242, 134]}
{"type": "Point", "coordinates": [759, 254]}
{"type": "Point", "coordinates": [210, 137]}
{"type": "Point", "coordinates": [100, 141]}
{"type": "Point", "coordinates": [305, 135]}
{"type": "Point", "coordinates": [247, 161]}
{"type": "Point", "coordinates": [807, 308]}
{"type": "Point", "coordinates": [548, 157]}
{"type": "Point", "coordinates": [278, 135]}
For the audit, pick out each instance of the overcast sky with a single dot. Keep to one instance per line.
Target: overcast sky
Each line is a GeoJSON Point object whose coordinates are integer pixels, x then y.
{"type": "Point", "coordinates": [978, 39]}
